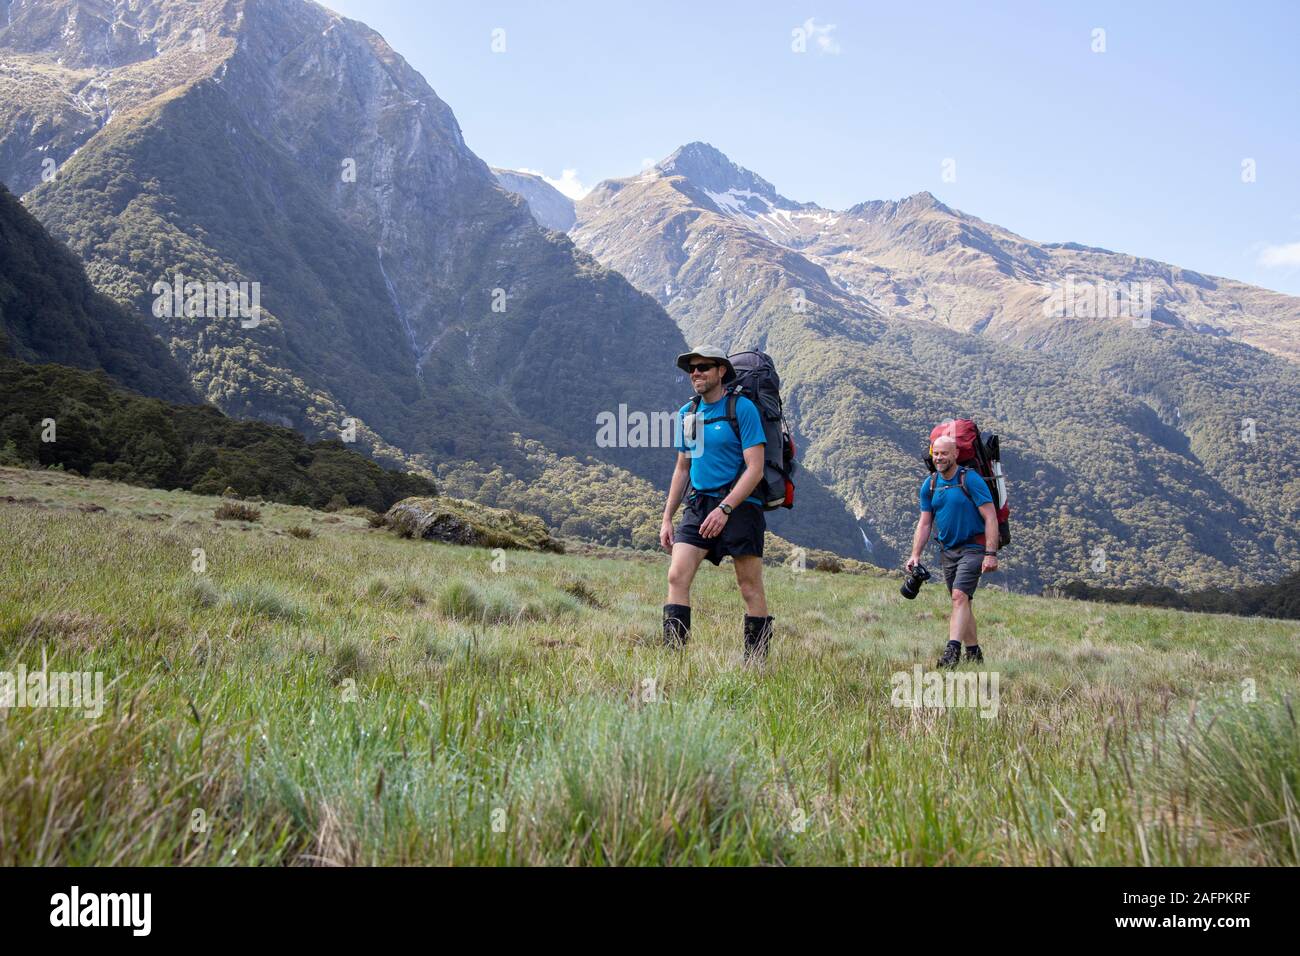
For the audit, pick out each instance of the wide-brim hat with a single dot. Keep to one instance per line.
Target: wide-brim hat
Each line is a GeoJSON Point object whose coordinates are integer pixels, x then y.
{"type": "Point", "coordinates": [707, 352]}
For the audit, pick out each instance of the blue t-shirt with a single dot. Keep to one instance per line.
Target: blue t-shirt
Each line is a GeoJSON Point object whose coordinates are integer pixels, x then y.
{"type": "Point", "coordinates": [956, 520]}
{"type": "Point", "coordinates": [717, 456]}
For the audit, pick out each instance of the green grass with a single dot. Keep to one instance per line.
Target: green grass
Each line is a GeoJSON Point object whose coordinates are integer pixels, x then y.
{"type": "Point", "coordinates": [356, 698]}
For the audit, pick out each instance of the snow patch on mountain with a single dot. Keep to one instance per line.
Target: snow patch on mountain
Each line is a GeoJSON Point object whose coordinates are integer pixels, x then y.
{"type": "Point", "coordinates": [739, 201]}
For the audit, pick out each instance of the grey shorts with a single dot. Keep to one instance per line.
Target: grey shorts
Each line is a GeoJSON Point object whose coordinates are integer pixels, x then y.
{"type": "Point", "coordinates": [961, 567]}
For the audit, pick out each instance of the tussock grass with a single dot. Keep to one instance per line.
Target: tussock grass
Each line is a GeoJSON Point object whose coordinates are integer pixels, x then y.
{"type": "Point", "coordinates": [460, 600]}
{"type": "Point", "coordinates": [372, 700]}
{"type": "Point", "coordinates": [262, 599]}
{"type": "Point", "coordinates": [396, 590]}
{"type": "Point", "coordinates": [236, 511]}
{"type": "Point", "coordinates": [349, 661]}
{"type": "Point", "coordinates": [582, 591]}
{"type": "Point", "coordinates": [1238, 763]}
{"type": "Point", "coordinates": [201, 592]}
{"type": "Point", "coordinates": [646, 785]}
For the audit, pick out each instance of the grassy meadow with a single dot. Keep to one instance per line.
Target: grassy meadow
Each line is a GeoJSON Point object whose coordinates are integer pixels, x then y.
{"type": "Point", "coordinates": [338, 695]}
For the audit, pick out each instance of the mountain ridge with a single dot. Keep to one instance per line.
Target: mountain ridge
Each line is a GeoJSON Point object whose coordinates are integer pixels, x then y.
{"type": "Point", "coordinates": [281, 144]}
{"type": "Point", "coordinates": [287, 146]}
{"type": "Point", "coordinates": [550, 207]}
{"type": "Point", "coordinates": [1085, 416]}
{"type": "Point", "coordinates": [275, 142]}
{"type": "Point", "coordinates": [986, 278]}
{"type": "Point", "coordinates": [1005, 284]}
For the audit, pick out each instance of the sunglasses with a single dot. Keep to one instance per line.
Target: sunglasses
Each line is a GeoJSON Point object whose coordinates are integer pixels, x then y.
{"type": "Point", "coordinates": [701, 368]}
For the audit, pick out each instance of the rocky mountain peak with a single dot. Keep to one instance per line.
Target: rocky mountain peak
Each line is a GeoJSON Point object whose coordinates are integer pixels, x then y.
{"type": "Point", "coordinates": [550, 207]}
{"type": "Point", "coordinates": [925, 200]}
{"type": "Point", "coordinates": [915, 204]}
{"type": "Point", "coordinates": [733, 188]}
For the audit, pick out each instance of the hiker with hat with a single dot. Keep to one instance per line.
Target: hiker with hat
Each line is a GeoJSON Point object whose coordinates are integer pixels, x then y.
{"type": "Point", "coordinates": [719, 464]}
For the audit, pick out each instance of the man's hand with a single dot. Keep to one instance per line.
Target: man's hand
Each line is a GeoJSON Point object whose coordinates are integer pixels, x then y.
{"type": "Point", "coordinates": [912, 562]}
{"type": "Point", "coordinates": [990, 564]}
{"type": "Point", "coordinates": [666, 535]}
{"type": "Point", "coordinates": [712, 526]}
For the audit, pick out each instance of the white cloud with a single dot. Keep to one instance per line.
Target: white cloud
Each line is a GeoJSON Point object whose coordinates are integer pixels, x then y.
{"type": "Point", "coordinates": [822, 34]}
{"type": "Point", "coordinates": [568, 183]}
{"type": "Point", "coordinates": [1280, 257]}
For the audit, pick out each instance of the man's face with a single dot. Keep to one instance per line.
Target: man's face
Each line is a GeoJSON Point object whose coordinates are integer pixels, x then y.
{"type": "Point", "coordinates": [944, 453]}
{"type": "Point", "coordinates": [706, 374]}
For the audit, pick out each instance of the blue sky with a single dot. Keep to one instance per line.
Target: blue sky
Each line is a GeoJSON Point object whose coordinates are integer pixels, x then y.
{"type": "Point", "coordinates": [1139, 148]}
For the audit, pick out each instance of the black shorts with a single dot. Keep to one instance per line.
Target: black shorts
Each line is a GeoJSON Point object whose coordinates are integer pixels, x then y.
{"type": "Point", "coordinates": [962, 567]}
{"type": "Point", "coordinates": [741, 536]}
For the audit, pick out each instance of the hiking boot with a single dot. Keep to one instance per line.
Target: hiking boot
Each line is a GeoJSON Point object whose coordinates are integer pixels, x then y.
{"type": "Point", "coordinates": [677, 625]}
{"type": "Point", "coordinates": [973, 653]}
{"type": "Point", "coordinates": [951, 655]}
{"type": "Point", "coordinates": [758, 635]}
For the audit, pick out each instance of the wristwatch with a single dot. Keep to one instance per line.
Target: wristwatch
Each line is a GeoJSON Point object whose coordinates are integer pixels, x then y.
{"type": "Point", "coordinates": [990, 554]}
{"type": "Point", "coordinates": [726, 508]}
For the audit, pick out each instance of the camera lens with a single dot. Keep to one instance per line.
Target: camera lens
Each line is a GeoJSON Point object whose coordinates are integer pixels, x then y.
{"type": "Point", "coordinates": [911, 585]}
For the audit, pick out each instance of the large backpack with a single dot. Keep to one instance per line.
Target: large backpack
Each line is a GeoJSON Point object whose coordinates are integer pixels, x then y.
{"type": "Point", "coordinates": [756, 379]}
{"type": "Point", "coordinates": [984, 455]}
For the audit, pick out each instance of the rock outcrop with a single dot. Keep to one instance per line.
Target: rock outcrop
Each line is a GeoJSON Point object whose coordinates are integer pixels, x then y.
{"type": "Point", "coordinates": [464, 522]}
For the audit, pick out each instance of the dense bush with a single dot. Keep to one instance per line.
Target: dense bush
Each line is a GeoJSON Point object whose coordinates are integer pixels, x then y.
{"type": "Point", "coordinates": [235, 511]}
{"type": "Point", "coordinates": [1268, 600]}
{"type": "Point", "coordinates": [102, 431]}
{"type": "Point", "coordinates": [50, 312]}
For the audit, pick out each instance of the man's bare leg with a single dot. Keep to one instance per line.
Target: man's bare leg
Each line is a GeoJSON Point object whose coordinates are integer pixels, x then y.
{"type": "Point", "coordinates": [677, 612]}
{"type": "Point", "coordinates": [758, 626]}
{"type": "Point", "coordinates": [749, 575]}
{"type": "Point", "coordinates": [681, 572]}
{"type": "Point", "coordinates": [961, 626]}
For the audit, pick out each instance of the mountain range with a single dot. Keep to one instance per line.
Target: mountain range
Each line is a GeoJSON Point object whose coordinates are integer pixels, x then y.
{"type": "Point", "coordinates": [1140, 444]}
{"type": "Point", "coordinates": [403, 294]}
{"type": "Point", "coordinates": [406, 294]}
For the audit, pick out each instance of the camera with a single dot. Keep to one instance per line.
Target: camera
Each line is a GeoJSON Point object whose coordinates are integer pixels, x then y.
{"type": "Point", "coordinates": [911, 586]}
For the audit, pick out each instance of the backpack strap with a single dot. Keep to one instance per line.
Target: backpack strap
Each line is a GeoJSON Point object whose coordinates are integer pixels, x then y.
{"type": "Point", "coordinates": [731, 413]}
{"type": "Point", "coordinates": [694, 406]}
{"type": "Point", "coordinates": [735, 427]}
{"type": "Point", "coordinates": [961, 483]}
{"type": "Point", "coordinates": [730, 416]}
{"type": "Point", "coordinates": [934, 525]}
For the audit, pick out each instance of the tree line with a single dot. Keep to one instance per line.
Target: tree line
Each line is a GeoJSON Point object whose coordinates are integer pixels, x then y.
{"type": "Point", "coordinates": [55, 416]}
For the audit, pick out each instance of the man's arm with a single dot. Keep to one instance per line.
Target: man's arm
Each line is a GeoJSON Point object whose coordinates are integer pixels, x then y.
{"type": "Point", "coordinates": [748, 481]}
{"type": "Point", "coordinates": [676, 488]}
{"type": "Point", "coordinates": [923, 527]}
{"type": "Point", "coordinates": [990, 516]}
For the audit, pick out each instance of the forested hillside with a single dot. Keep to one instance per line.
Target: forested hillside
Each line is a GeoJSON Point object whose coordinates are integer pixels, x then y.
{"type": "Point", "coordinates": [50, 312]}
{"type": "Point", "coordinates": [1267, 600]}
{"type": "Point", "coordinates": [403, 293]}
{"type": "Point", "coordinates": [81, 421]}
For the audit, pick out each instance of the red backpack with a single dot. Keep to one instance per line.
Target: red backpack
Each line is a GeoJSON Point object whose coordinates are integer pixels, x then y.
{"type": "Point", "coordinates": [983, 455]}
